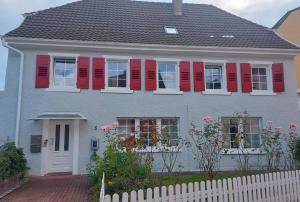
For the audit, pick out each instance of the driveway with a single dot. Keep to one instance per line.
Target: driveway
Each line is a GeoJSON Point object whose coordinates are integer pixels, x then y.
{"type": "Point", "coordinates": [62, 188]}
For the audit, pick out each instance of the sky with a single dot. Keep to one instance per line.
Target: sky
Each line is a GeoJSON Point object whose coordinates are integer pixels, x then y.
{"type": "Point", "coordinates": [264, 12]}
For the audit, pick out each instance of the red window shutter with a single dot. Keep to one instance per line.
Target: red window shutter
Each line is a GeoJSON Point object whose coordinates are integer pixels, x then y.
{"type": "Point", "coordinates": [135, 74]}
{"type": "Point", "coordinates": [185, 84]}
{"type": "Point", "coordinates": [98, 73]}
{"type": "Point", "coordinates": [231, 73]}
{"type": "Point", "coordinates": [83, 66]}
{"type": "Point", "coordinates": [150, 75]}
{"type": "Point", "coordinates": [199, 84]}
{"type": "Point", "coordinates": [246, 76]}
{"type": "Point", "coordinates": [42, 71]}
{"type": "Point", "coordinates": [278, 77]}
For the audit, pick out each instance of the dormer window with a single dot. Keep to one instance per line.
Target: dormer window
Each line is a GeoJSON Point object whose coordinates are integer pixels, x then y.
{"type": "Point", "coordinates": [171, 30]}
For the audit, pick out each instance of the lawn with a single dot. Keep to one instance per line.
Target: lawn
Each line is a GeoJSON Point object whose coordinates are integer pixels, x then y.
{"type": "Point", "coordinates": [179, 178]}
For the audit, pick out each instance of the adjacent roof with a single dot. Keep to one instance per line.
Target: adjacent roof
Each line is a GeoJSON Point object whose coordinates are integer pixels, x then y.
{"type": "Point", "coordinates": [140, 22]}
{"type": "Point", "coordinates": [59, 116]}
{"type": "Point", "coordinates": [283, 18]}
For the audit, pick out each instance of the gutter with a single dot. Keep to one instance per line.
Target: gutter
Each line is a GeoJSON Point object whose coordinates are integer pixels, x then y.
{"type": "Point", "coordinates": [18, 118]}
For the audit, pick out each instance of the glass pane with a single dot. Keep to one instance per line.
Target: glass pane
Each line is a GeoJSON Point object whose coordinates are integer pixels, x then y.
{"type": "Point", "coordinates": [226, 140]}
{"type": "Point", "coordinates": [112, 82]}
{"type": "Point", "coordinates": [117, 74]}
{"type": "Point", "coordinates": [57, 137]}
{"type": "Point", "coordinates": [162, 68]}
{"type": "Point", "coordinates": [67, 134]}
{"type": "Point", "coordinates": [255, 141]}
{"type": "Point", "coordinates": [262, 71]}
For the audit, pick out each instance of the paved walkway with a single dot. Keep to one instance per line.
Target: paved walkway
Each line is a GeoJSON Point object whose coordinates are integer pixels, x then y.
{"type": "Point", "coordinates": [63, 188]}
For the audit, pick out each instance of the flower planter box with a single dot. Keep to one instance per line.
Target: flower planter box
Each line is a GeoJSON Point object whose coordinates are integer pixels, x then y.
{"type": "Point", "coordinates": [11, 183]}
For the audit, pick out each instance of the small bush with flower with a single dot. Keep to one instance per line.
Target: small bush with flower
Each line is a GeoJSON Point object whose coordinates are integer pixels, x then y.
{"type": "Point", "coordinates": [123, 168]}
{"type": "Point", "coordinates": [206, 145]}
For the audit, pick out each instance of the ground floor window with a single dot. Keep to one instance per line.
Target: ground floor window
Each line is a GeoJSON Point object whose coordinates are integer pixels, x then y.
{"type": "Point", "coordinates": [148, 129]}
{"type": "Point", "coordinates": [233, 127]}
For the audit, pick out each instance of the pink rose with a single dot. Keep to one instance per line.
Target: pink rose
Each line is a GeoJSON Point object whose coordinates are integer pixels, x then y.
{"type": "Point", "coordinates": [266, 130]}
{"type": "Point", "coordinates": [115, 124]}
{"type": "Point", "coordinates": [122, 139]}
{"type": "Point", "coordinates": [208, 119]}
{"type": "Point", "coordinates": [106, 128]}
{"type": "Point", "coordinates": [132, 134]}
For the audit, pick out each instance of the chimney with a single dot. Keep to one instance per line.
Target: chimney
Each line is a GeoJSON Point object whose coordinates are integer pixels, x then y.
{"type": "Point", "coordinates": [177, 7]}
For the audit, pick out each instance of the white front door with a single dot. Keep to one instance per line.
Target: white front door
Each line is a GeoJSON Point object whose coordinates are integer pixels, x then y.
{"type": "Point", "coordinates": [61, 146]}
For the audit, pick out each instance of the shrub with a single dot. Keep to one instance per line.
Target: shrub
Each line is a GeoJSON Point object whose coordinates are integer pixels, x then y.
{"type": "Point", "coordinates": [12, 161]}
{"type": "Point", "coordinates": [124, 172]}
{"type": "Point", "coordinates": [297, 150]}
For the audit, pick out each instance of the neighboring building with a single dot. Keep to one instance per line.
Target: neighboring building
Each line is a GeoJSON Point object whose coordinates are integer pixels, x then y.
{"type": "Point", "coordinates": [288, 27]}
{"type": "Point", "coordinates": [88, 63]}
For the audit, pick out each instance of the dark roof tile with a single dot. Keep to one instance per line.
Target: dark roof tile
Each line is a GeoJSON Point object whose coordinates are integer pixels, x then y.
{"type": "Point", "coordinates": [128, 21]}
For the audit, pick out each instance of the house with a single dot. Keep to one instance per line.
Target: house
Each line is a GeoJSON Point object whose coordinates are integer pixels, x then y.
{"type": "Point", "coordinates": [76, 67]}
{"type": "Point", "coordinates": [288, 27]}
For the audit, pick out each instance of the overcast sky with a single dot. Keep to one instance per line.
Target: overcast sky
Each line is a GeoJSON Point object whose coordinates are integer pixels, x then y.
{"type": "Point", "coordinates": [264, 12]}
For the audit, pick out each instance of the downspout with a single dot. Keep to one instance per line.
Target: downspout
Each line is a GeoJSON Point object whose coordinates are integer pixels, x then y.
{"type": "Point", "coordinates": [18, 118]}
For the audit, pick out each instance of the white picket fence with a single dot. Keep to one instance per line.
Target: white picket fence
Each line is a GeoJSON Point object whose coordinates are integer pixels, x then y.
{"type": "Point", "coordinates": [270, 187]}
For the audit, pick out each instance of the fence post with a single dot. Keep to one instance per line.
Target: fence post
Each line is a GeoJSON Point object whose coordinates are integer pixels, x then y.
{"type": "Point", "coordinates": [171, 193]}
{"type": "Point", "coordinates": [249, 186]}
{"type": "Point", "coordinates": [298, 184]}
{"type": "Point", "coordinates": [214, 190]}
{"type": "Point", "coordinates": [107, 198]}
{"type": "Point", "coordinates": [230, 191]}
{"type": "Point", "coordinates": [258, 187]}
{"type": "Point", "coordinates": [125, 197]}
{"type": "Point", "coordinates": [254, 188]}
{"type": "Point", "coordinates": [220, 191]}
{"type": "Point", "coordinates": [196, 190]}
{"type": "Point", "coordinates": [116, 198]}
{"type": "Point", "coordinates": [164, 193]}
{"type": "Point", "coordinates": [225, 190]}
{"type": "Point", "coordinates": [184, 195]}
{"type": "Point", "coordinates": [178, 193]}
{"type": "Point", "coordinates": [133, 196]}
{"type": "Point", "coordinates": [235, 190]}
{"type": "Point", "coordinates": [287, 183]}
{"type": "Point", "coordinates": [149, 195]}
{"type": "Point", "coordinates": [240, 188]}
{"type": "Point", "coordinates": [156, 194]}
{"type": "Point", "coordinates": [209, 191]}
{"type": "Point", "coordinates": [263, 187]}
{"type": "Point", "coordinates": [191, 191]}
{"type": "Point", "coordinates": [141, 195]}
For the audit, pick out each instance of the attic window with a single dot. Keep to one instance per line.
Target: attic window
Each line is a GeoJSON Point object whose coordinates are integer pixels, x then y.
{"type": "Point", "coordinates": [171, 30]}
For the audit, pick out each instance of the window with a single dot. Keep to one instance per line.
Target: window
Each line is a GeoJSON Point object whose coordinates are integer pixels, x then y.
{"type": "Point", "coordinates": [170, 128]}
{"type": "Point", "coordinates": [148, 129]}
{"type": "Point", "coordinates": [214, 77]}
{"type": "Point", "coordinates": [251, 130]}
{"type": "Point", "coordinates": [167, 76]}
{"type": "Point", "coordinates": [64, 72]}
{"type": "Point", "coordinates": [117, 74]}
{"type": "Point", "coordinates": [126, 127]}
{"type": "Point", "coordinates": [57, 137]}
{"type": "Point", "coordinates": [171, 30]}
{"type": "Point", "coordinates": [260, 78]}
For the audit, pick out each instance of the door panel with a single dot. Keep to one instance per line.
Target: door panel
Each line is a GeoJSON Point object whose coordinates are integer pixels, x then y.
{"type": "Point", "coordinates": [60, 147]}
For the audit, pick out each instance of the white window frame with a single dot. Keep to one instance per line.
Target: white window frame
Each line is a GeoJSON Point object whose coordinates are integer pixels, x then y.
{"type": "Point", "coordinates": [228, 151]}
{"type": "Point", "coordinates": [223, 90]}
{"type": "Point", "coordinates": [54, 88]}
{"type": "Point", "coordinates": [117, 89]}
{"type": "Point", "coordinates": [158, 125]}
{"type": "Point", "coordinates": [175, 91]}
{"type": "Point", "coordinates": [268, 66]}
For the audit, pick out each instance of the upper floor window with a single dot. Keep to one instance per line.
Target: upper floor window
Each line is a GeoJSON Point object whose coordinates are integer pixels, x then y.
{"type": "Point", "coordinates": [261, 78]}
{"type": "Point", "coordinates": [117, 73]}
{"type": "Point", "coordinates": [64, 72]}
{"type": "Point", "coordinates": [214, 77]}
{"type": "Point", "coordinates": [251, 130]}
{"type": "Point", "coordinates": [167, 76]}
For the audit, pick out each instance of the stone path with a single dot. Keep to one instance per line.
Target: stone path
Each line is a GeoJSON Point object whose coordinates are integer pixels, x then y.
{"type": "Point", "coordinates": [63, 188]}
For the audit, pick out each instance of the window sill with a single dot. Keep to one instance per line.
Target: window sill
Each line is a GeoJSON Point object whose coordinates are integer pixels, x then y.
{"type": "Point", "coordinates": [262, 93]}
{"type": "Point", "coordinates": [157, 150]}
{"type": "Point", "coordinates": [239, 151]}
{"type": "Point", "coordinates": [117, 90]}
{"type": "Point", "coordinates": [168, 92]}
{"type": "Point", "coordinates": [216, 92]}
{"type": "Point", "coordinates": [69, 90]}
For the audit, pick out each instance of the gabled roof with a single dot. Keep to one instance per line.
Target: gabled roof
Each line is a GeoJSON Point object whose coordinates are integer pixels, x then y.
{"type": "Point", "coordinates": [141, 22]}
{"type": "Point", "coordinates": [283, 18]}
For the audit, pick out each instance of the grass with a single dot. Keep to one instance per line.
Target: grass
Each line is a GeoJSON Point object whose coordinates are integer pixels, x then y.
{"type": "Point", "coordinates": [165, 180]}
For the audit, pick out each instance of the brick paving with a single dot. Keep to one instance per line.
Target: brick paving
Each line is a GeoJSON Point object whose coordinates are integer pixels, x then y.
{"type": "Point", "coordinates": [63, 188]}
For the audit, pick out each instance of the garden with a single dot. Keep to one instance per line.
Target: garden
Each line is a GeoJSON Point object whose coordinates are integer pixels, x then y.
{"type": "Point", "coordinates": [126, 168]}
